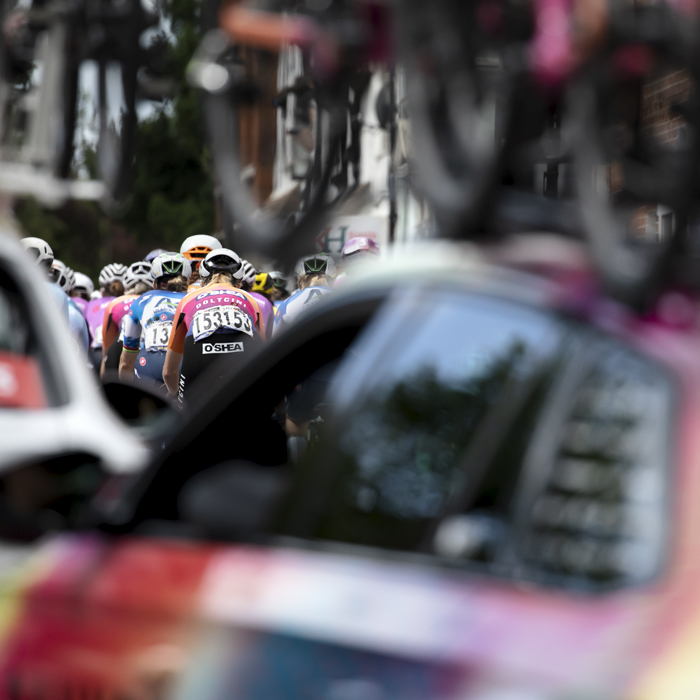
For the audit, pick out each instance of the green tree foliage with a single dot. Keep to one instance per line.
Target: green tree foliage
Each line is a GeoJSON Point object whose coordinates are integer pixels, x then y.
{"type": "Point", "coordinates": [172, 192]}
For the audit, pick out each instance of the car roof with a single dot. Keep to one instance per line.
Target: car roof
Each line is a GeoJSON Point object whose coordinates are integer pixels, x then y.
{"type": "Point", "coordinates": [533, 268]}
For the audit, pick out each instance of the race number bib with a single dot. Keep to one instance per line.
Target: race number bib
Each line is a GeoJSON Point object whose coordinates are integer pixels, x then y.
{"type": "Point", "coordinates": [206, 321]}
{"type": "Point", "coordinates": [157, 335]}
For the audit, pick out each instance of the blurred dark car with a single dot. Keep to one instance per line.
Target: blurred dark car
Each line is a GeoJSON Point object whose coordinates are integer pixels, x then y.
{"type": "Point", "coordinates": [499, 500]}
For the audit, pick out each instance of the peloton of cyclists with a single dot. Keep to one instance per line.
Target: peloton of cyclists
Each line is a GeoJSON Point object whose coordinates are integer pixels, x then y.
{"type": "Point", "coordinates": [168, 320]}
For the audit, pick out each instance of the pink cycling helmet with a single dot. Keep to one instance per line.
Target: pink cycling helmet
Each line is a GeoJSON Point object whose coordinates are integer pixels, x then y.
{"type": "Point", "coordinates": [359, 245]}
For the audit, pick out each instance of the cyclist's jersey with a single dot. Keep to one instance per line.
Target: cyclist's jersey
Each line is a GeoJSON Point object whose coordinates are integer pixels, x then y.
{"type": "Point", "coordinates": [205, 311]}
{"type": "Point", "coordinates": [59, 297]}
{"type": "Point", "coordinates": [149, 321]}
{"type": "Point", "coordinates": [299, 302]}
{"type": "Point", "coordinates": [95, 315]}
{"type": "Point", "coordinates": [80, 303]}
{"type": "Point", "coordinates": [78, 328]}
{"type": "Point", "coordinates": [267, 309]}
{"type": "Point", "coordinates": [112, 326]}
{"type": "Point", "coordinates": [68, 310]}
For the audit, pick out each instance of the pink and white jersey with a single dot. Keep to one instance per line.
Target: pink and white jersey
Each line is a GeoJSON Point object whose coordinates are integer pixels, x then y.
{"type": "Point", "coordinates": [212, 297]}
{"type": "Point", "coordinates": [121, 308]}
{"type": "Point", "coordinates": [94, 315]}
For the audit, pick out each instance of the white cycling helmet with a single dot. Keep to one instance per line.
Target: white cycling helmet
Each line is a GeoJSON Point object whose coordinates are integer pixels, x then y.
{"type": "Point", "coordinates": [319, 264]}
{"type": "Point", "coordinates": [114, 272]}
{"type": "Point", "coordinates": [221, 260]}
{"type": "Point", "coordinates": [40, 251]}
{"type": "Point", "coordinates": [359, 245]}
{"type": "Point", "coordinates": [138, 272]}
{"type": "Point", "coordinates": [60, 274]}
{"type": "Point", "coordinates": [71, 279]}
{"type": "Point", "coordinates": [198, 247]}
{"type": "Point", "coordinates": [83, 282]}
{"type": "Point", "coordinates": [170, 265]}
{"type": "Point", "coordinates": [249, 272]}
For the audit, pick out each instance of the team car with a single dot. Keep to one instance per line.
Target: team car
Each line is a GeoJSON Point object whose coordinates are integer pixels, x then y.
{"type": "Point", "coordinates": [499, 499]}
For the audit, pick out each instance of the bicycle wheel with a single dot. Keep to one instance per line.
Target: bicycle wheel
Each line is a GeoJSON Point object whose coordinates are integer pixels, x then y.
{"type": "Point", "coordinates": [636, 146]}
{"type": "Point", "coordinates": [117, 125]}
{"type": "Point", "coordinates": [276, 212]}
{"type": "Point", "coordinates": [458, 92]}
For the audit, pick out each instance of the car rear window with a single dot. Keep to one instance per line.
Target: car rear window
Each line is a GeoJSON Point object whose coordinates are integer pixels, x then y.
{"type": "Point", "coordinates": [482, 432]}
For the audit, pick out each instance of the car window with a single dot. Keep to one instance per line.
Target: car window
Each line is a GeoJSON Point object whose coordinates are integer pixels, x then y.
{"type": "Point", "coordinates": [429, 446]}
{"type": "Point", "coordinates": [596, 505]}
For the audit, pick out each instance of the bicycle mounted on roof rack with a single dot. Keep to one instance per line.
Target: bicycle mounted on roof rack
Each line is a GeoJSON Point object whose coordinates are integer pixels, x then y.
{"type": "Point", "coordinates": [47, 50]}
{"type": "Point", "coordinates": [318, 105]}
{"type": "Point", "coordinates": [495, 90]}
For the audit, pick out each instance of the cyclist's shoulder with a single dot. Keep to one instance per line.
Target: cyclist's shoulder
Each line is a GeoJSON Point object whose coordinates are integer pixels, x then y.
{"type": "Point", "coordinates": [261, 299]}
{"type": "Point", "coordinates": [99, 304]}
{"type": "Point", "coordinates": [125, 299]}
{"type": "Point", "coordinates": [93, 304]}
{"type": "Point", "coordinates": [309, 293]}
{"type": "Point", "coordinates": [173, 296]}
{"type": "Point", "coordinates": [58, 295]}
{"type": "Point", "coordinates": [138, 303]}
{"type": "Point", "coordinates": [283, 307]}
{"type": "Point", "coordinates": [197, 293]}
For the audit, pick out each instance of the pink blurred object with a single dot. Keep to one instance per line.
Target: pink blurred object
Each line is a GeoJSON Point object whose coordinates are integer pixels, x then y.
{"type": "Point", "coordinates": [552, 49]}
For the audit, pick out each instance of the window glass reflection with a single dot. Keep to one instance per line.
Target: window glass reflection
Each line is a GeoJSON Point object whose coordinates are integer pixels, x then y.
{"type": "Point", "coordinates": [481, 431]}
{"type": "Point", "coordinates": [395, 457]}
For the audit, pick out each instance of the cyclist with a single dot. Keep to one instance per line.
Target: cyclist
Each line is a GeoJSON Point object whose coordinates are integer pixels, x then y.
{"type": "Point", "coordinates": [61, 275]}
{"type": "Point", "coordinates": [279, 288]}
{"type": "Point", "coordinates": [195, 249]}
{"type": "Point", "coordinates": [218, 320]}
{"type": "Point", "coordinates": [355, 249]}
{"type": "Point", "coordinates": [149, 322]}
{"type": "Point", "coordinates": [137, 280]}
{"type": "Point", "coordinates": [264, 285]}
{"type": "Point", "coordinates": [111, 286]}
{"type": "Point", "coordinates": [41, 253]}
{"type": "Point", "coordinates": [250, 275]}
{"type": "Point", "coordinates": [81, 291]}
{"type": "Point", "coordinates": [314, 274]}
